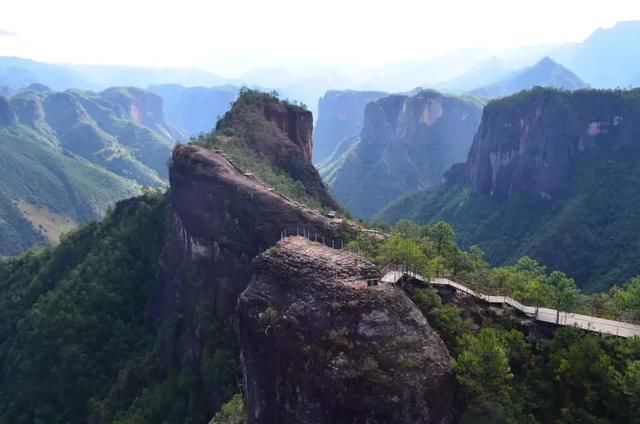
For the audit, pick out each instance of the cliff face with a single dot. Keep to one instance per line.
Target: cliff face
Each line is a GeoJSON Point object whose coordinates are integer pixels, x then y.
{"type": "Point", "coordinates": [552, 175]}
{"type": "Point", "coordinates": [318, 345]}
{"type": "Point", "coordinates": [406, 144]}
{"type": "Point", "coordinates": [280, 134]}
{"type": "Point", "coordinates": [220, 220]}
{"type": "Point", "coordinates": [144, 108]}
{"type": "Point", "coordinates": [295, 122]}
{"type": "Point", "coordinates": [340, 116]}
{"type": "Point", "coordinates": [532, 143]}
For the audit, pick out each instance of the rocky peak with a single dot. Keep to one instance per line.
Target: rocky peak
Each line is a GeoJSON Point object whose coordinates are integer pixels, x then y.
{"type": "Point", "coordinates": [531, 142]}
{"type": "Point", "coordinates": [281, 133]}
{"type": "Point", "coordinates": [295, 122]}
{"type": "Point", "coordinates": [407, 142]}
{"type": "Point", "coordinates": [320, 345]}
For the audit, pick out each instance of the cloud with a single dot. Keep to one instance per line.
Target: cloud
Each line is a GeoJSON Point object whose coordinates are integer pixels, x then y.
{"type": "Point", "coordinates": [6, 33]}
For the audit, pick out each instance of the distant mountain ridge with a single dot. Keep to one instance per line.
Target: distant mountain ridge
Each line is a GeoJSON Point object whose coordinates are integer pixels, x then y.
{"type": "Point", "coordinates": [545, 73]}
{"type": "Point", "coordinates": [608, 58]}
{"type": "Point", "coordinates": [20, 72]}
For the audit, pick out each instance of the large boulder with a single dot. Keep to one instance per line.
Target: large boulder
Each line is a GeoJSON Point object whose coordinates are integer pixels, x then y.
{"type": "Point", "coordinates": [319, 344]}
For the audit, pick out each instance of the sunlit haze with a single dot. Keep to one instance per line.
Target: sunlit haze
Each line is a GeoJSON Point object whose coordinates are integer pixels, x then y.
{"type": "Point", "coordinates": [232, 37]}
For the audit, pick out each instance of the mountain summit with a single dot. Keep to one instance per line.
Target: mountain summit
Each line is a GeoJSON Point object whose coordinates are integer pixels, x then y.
{"type": "Point", "coordinates": [545, 73]}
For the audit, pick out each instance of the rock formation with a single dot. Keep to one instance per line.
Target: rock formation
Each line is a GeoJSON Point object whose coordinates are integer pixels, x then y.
{"type": "Point", "coordinates": [279, 132]}
{"type": "Point", "coordinates": [319, 345]}
{"type": "Point", "coordinates": [7, 114]}
{"type": "Point", "coordinates": [533, 143]}
{"type": "Point", "coordinates": [406, 144]}
{"type": "Point", "coordinates": [220, 220]}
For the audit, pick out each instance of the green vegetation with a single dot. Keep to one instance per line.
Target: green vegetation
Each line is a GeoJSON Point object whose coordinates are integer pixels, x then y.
{"type": "Point", "coordinates": [75, 344]}
{"type": "Point", "coordinates": [256, 146]}
{"type": "Point", "coordinates": [506, 375]}
{"type": "Point", "coordinates": [35, 172]}
{"type": "Point", "coordinates": [69, 155]}
{"type": "Point", "coordinates": [251, 161]}
{"type": "Point", "coordinates": [232, 412]}
{"type": "Point", "coordinates": [431, 249]}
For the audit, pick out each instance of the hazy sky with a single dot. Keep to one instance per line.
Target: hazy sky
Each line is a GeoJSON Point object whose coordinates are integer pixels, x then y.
{"type": "Point", "coordinates": [231, 36]}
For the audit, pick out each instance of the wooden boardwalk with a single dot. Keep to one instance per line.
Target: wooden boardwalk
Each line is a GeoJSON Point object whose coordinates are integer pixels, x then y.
{"type": "Point", "coordinates": [585, 322]}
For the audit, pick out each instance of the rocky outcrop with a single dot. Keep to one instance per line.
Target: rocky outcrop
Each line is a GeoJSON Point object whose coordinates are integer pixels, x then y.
{"type": "Point", "coordinates": [220, 220]}
{"type": "Point", "coordinates": [340, 116]}
{"type": "Point", "coordinates": [295, 122]}
{"type": "Point", "coordinates": [279, 132]}
{"type": "Point", "coordinates": [406, 144]}
{"type": "Point", "coordinates": [531, 143]}
{"type": "Point", "coordinates": [29, 110]}
{"type": "Point", "coordinates": [318, 345]}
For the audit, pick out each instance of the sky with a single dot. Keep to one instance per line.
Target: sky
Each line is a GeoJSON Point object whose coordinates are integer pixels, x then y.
{"type": "Point", "coordinates": [232, 36]}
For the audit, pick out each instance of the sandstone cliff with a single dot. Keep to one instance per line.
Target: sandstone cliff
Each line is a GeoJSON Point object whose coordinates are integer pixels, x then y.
{"type": "Point", "coordinates": [318, 345]}
{"type": "Point", "coordinates": [220, 220]}
{"type": "Point", "coordinates": [533, 142]}
{"type": "Point", "coordinates": [406, 144]}
{"type": "Point", "coordinates": [553, 175]}
{"type": "Point", "coordinates": [278, 134]}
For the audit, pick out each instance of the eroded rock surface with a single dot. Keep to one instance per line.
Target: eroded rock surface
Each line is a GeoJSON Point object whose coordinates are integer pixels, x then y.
{"type": "Point", "coordinates": [321, 346]}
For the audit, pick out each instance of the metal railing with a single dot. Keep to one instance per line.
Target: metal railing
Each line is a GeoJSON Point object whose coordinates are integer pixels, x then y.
{"type": "Point", "coordinates": [542, 314]}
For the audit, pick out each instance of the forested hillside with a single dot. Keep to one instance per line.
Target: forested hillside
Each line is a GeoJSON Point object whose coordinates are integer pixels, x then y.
{"type": "Point", "coordinates": [68, 156]}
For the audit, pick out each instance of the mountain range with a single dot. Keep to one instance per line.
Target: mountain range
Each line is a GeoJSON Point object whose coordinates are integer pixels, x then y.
{"type": "Point", "coordinates": [70, 155]}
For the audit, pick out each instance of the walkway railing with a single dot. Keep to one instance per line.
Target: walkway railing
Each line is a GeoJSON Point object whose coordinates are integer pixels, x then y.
{"type": "Point", "coordinates": [393, 273]}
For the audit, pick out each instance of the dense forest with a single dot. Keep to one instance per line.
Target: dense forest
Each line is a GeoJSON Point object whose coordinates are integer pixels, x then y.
{"type": "Point", "coordinates": [74, 341]}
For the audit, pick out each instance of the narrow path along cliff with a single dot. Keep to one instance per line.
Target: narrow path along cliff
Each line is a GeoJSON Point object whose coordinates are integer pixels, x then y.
{"type": "Point", "coordinates": [548, 315]}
